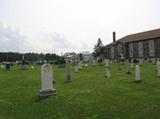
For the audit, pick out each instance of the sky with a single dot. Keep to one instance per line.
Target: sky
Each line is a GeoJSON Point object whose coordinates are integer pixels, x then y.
{"type": "Point", "coordinates": [59, 26]}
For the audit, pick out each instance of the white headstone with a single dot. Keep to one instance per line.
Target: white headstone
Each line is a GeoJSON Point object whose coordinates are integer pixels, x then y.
{"type": "Point", "coordinates": [2, 66]}
{"type": "Point", "coordinates": [140, 62]}
{"type": "Point", "coordinates": [132, 63]}
{"type": "Point", "coordinates": [107, 62]}
{"type": "Point", "coordinates": [23, 64]}
{"type": "Point", "coordinates": [138, 74]}
{"type": "Point", "coordinates": [81, 63]}
{"type": "Point", "coordinates": [79, 66]}
{"type": "Point", "coordinates": [154, 61]}
{"type": "Point", "coordinates": [47, 81]}
{"type": "Point", "coordinates": [76, 68]}
{"type": "Point", "coordinates": [108, 75]}
{"type": "Point", "coordinates": [94, 63]}
{"type": "Point", "coordinates": [158, 69]}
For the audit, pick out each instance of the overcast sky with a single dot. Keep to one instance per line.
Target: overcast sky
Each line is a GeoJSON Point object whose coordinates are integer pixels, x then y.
{"type": "Point", "coordinates": [58, 26]}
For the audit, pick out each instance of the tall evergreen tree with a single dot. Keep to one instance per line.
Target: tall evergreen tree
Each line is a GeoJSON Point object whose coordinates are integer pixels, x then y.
{"type": "Point", "coordinates": [98, 49]}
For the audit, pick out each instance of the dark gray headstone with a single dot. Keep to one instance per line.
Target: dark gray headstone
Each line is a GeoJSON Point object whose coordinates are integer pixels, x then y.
{"type": "Point", "coordinates": [68, 75]}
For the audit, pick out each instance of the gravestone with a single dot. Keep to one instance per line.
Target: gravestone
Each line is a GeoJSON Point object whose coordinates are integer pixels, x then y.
{"type": "Point", "coordinates": [154, 61]}
{"type": "Point", "coordinates": [107, 62]}
{"type": "Point", "coordinates": [23, 64]}
{"type": "Point", "coordinates": [138, 74]}
{"type": "Point", "coordinates": [46, 81]}
{"type": "Point", "coordinates": [79, 66]}
{"type": "Point", "coordinates": [158, 69]}
{"type": "Point", "coordinates": [140, 62]}
{"type": "Point", "coordinates": [76, 67]}
{"type": "Point", "coordinates": [68, 75]}
{"type": "Point", "coordinates": [108, 75]}
{"type": "Point", "coordinates": [2, 66]}
{"type": "Point", "coordinates": [94, 63]}
{"type": "Point", "coordinates": [129, 66]}
{"type": "Point", "coordinates": [7, 66]}
{"type": "Point", "coordinates": [132, 63]}
{"type": "Point", "coordinates": [81, 62]}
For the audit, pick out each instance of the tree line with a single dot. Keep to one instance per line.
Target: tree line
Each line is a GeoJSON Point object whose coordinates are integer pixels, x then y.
{"type": "Point", "coordinates": [32, 57]}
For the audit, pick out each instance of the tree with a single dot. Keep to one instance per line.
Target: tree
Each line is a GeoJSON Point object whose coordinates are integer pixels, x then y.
{"type": "Point", "coordinates": [98, 49]}
{"type": "Point", "coordinates": [80, 56]}
{"type": "Point", "coordinates": [13, 56]}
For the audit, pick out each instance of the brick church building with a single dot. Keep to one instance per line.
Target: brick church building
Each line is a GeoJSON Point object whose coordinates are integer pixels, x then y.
{"type": "Point", "coordinates": [135, 46]}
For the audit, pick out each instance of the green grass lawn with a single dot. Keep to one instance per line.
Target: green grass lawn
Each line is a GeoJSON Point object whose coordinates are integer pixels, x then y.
{"type": "Point", "coordinates": [89, 96]}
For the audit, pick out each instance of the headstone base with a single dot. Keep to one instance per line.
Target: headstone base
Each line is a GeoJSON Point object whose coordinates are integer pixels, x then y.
{"type": "Point", "coordinates": [47, 93]}
{"type": "Point", "coordinates": [137, 81]}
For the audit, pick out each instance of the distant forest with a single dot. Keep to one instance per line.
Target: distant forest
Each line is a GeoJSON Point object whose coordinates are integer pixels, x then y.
{"type": "Point", "coordinates": [13, 56]}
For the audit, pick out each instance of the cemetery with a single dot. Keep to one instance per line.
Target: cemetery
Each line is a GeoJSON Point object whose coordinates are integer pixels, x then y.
{"type": "Point", "coordinates": [95, 92]}
{"type": "Point", "coordinates": [54, 65]}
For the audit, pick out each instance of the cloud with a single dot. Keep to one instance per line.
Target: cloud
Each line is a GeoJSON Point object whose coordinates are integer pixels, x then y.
{"type": "Point", "coordinates": [49, 42]}
{"type": "Point", "coordinates": [58, 40]}
{"type": "Point", "coordinates": [11, 40]}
